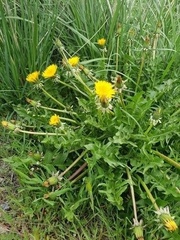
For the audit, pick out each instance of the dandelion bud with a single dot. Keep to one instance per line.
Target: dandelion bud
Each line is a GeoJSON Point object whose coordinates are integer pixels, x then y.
{"type": "Point", "coordinates": [36, 156]}
{"type": "Point", "coordinates": [104, 102]}
{"type": "Point", "coordinates": [85, 70]}
{"type": "Point", "coordinates": [8, 125]}
{"type": "Point", "coordinates": [33, 103]}
{"type": "Point", "coordinates": [132, 33]}
{"type": "Point", "coordinates": [59, 44]}
{"type": "Point", "coordinates": [168, 222]}
{"type": "Point", "coordinates": [119, 27]}
{"type": "Point", "coordinates": [45, 184]}
{"type": "Point", "coordinates": [118, 81]}
{"type": "Point", "coordinates": [52, 180]}
{"type": "Point", "coordinates": [4, 123]}
{"type": "Point", "coordinates": [138, 229]}
{"type": "Point", "coordinates": [146, 41]}
{"type": "Point", "coordinates": [157, 114]}
{"type": "Point", "coordinates": [155, 118]}
{"type": "Point", "coordinates": [50, 195]}
{"type": "Point", "coordinates": [166, 219]}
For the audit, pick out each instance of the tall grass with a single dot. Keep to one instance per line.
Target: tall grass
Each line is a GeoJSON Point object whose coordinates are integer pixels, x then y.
{"type": "Point", "coordinates": [26, 36]}
{"type": "Point", "coordinates": [142, 36]}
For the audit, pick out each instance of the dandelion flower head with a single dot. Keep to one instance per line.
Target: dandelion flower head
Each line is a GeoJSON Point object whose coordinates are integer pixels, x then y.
{"type": "Point", "coordinates": [54, 120]}
{"type": "Point", "coordinates": [170, 225]}
{"type": "Point", "coordinates": [33, 77]}
{"type": "Point", "coordinates": [73, 61]}
{"type": "Point", "coordinates": [4, 123]}
{"type": "Point", "coordinates": [101, 42]}
{"type": "Point", "coordinates": [50, 71]}
{"type": "Point", "coordinates": [104, 90]}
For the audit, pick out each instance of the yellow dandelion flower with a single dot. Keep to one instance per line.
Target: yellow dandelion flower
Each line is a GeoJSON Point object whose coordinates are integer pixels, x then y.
{"type": "Point", "coordinates": [50, 71]}
{"type": "Point", "coordinates": [54, 120]}
{"type": "Point", "coordinates": [73, 61]}
{"type": "Point", "coordinates": [101, 42]}
{"type": "Point", "coordinates": [33, 77]}
{"type": "Point", "coordinates": [170, 225]}
{"type": "Point", "coordinates": [104, 90]}
{"type": "Point", "coordinates": [166, 219]}
{"type": "Point", "coordinates": [8, 125]}
{"type": "Point", "coordinates": [4, 123]}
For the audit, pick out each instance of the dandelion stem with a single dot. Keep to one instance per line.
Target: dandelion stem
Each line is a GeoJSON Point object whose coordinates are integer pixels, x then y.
{"type": "Point", "coordinates": [168, 160]}
{"type": "Point", "coordinates": [155, 41]}
{"type": "Point", "coordinates": [81, 81]}
{"type": "Point", "coordinates": [121, 100]}
{"type": "Point", "coordinates": [77, 171]}
{"type": "Point", "coordinates": [132, 194]}
{"type": "Point", "coordinates": [78, 177]}
{"type": "Point", "coordinates": [153, 200]}
{"type": "Point", "coordinates": [57, 110]}
{"type": "Point", "coordinates": [149, 128]}
{"type": "Point", "coordinates": [117, 53]}
{"type": "Point", "coordinates": [68, 120]}
{"type": "Point", "coordinates": [38, 133]}
{"type": "Point", "coordinates": [50, 96]}
{"type": "Point", "coordinates": [70, 86]}
{"type": "Point", "coordinates": [77, 76]}
{"type": "Point", "coordinates": [74, 163]}
{"type": "Point", "coordinates": [88, 73]}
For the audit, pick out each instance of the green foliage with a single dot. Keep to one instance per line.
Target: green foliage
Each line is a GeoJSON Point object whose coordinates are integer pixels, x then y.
{"type": "Point", "coordinates": [117, 150]}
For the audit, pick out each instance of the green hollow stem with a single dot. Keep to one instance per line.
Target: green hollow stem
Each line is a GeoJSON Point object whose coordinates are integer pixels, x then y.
{"type": "Point", "coordinates": [168, 160]}
{"type": "Point", "coordinates": [122, 101]}
{"type": "Point", "coordinates": [88, 73]}
{"type": "Point", "coordinates": [68, 120]}
{"type": "Point", "coordinates": [78, 171]}
{"type": "Point", "coordinates": [132, 194]}
{"type": "Point", "coordinates": [149, 129]}
{"type": "Point", "coordinates": [70, 86]}
{"type": "Point", "coordinates": [57, 110]}
{"type": "Point", "coordinates": [54, 99]}
{"type": "Point", "coordinates": [155, 42]}
{"type": "Point", "coordinates": [78, 177]}
{"type": "Point", "coordinates": [117, 53]}
{"type": "Point", "coordinates": [74, 163]}
{"type": "Point", "coordinates": [38, 133]}
{"type": "Point", "coordinates": [77, 77]}
{"type": "Point", "coordinates": [153, 200]}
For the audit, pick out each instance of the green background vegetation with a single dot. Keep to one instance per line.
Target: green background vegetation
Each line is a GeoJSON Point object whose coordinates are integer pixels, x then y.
{"type": "Point", "coordinates": [143, 46]}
